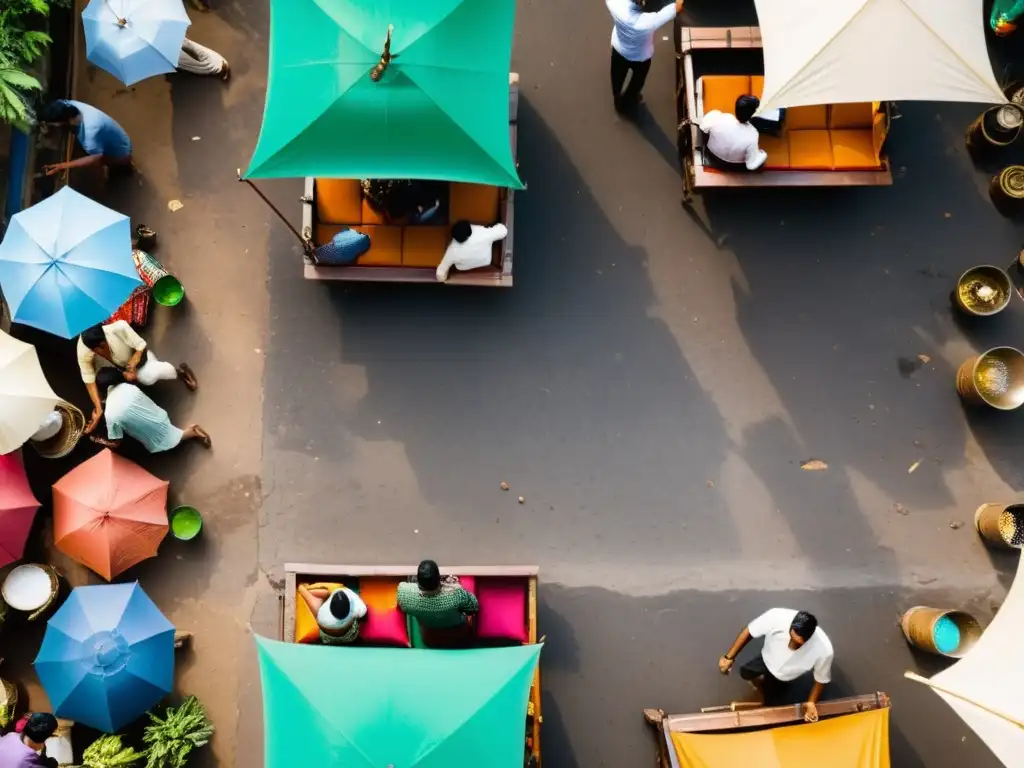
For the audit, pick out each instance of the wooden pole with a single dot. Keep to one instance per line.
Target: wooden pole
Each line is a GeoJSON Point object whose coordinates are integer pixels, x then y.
{"type": "Point", "coordinates": [942, 689]}
{"type": "Point", "coordinates": [305, 243]}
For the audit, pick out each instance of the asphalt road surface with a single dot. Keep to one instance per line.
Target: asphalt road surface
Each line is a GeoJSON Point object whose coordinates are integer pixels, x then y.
{"type": "Point", "coordinates": [650, 386]}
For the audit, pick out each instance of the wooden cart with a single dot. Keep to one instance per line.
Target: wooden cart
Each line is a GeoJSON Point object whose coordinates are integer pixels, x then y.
{"type": "Point", "coordinates": [738, 718]}
{"type": "Point", "coordinates": [410, 254]}
{"type": "Point", "coordinates": [306, 573]}
{"type": "Point", "coordinates": [822, 146]}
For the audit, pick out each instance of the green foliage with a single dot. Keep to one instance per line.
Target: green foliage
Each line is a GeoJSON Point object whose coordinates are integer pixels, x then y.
{"type": "Point", "coordinates": [21, 43]}
{"type": "Point", "coordinates": [109, 752]}
{"type": "Point", "coordinates": [171, 739]}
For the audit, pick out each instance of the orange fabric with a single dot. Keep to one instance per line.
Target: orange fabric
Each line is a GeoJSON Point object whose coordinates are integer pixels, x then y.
{"type": "Point", "coordinates": [843, 116]}
{"type": "Point", "coordinates": [721, 92]}
{"type": "Point", "coordinates": [385, 243]}
{"type": "Point", "coordinates": [807, 118]}
{"type": "Point", "coordinates": [879, 130]}
{"type": "Point", "coordinates": [860, 740]}
{"type": "Point", "coordinates": [757, 85]}
{"type": "Point", "coordinates": [810, 150]}
{"type": "Point", "coordinates": [853, 150]}
{"type": "Point", "coordinates": [370, 216]}
{"type": "Point", "coordinates": [424, 246]}
{"type": "Point", "coordinates": [306, 628]}
{"type": "Point", "coordinates": [476, 203]}
{"type": "Point", "coordinates": [379, 593]}
{"type": "Point", "coordinates": [338, 201]}
{"type": "Point", "coordinates": [109, 514]}
{"type": "Point", "coordinates": [778, 152]}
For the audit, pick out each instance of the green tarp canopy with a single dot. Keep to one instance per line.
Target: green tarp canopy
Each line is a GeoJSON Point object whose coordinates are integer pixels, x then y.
{"type": "Point", "coordinates": [439, 112]}
{"type": "Point", "coordinates": [402, 707]}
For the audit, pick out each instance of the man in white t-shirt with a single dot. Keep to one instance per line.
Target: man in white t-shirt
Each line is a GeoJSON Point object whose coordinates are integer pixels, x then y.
{"type": "Point", "coordinates": [794, 644]}
{"type": "Point", "coordinates": [633, 45]}
{"type": "Point", "coordinates": [732, 141]}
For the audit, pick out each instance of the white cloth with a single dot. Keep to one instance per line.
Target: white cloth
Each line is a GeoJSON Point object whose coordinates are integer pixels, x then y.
{"type": "Point", "coordinates": [326, 619]}
{"type": "Point", "coordinates": [843, 51]}
{"type": "Point", "coordinates": [200, 60]}
{"type": "Point", "coordinates": [49, 428]}
{"type": "Point", "coordinates": [782, 661]}
{"type": "Point", "coordinates": [731, 140]}
{"type": "Point", "coordinates": [633, 33]}
{"type": "Point", "coordinates": [472, 254]}
{"type": "Point", "coordinates": [153, 370]}
{"type": "Point", "coordinates": [123, 342]}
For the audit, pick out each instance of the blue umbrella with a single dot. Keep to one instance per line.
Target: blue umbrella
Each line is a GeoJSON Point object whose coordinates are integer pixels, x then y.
{"type": "Point", "coordinates": [134, 39]}
{"type": "Point", "coordinates": [107, 656]}
{"type": "Point", "coordinates": [66, 264]}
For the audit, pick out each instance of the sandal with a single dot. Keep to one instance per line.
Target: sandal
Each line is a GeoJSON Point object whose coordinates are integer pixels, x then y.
{"type": "Point", "coordinates": [187, 376]}
{"type": "Point", "coordinates": [204, 436]}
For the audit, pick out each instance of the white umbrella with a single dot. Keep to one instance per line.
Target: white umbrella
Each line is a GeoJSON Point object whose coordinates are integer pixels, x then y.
{"type": "Point", "coordinates": [984, 687]}
{"type": "Point", "coordinates": [25, 395]}
{"type": "Point", "coordinates": [842, 51]}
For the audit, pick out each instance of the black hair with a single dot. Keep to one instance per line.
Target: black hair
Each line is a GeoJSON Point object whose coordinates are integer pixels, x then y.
{"type": "Point", "coordinates": [428, 575]}
{"type": "Point", "coordinates": [58, 111]}
{"type": "Point", "coordinates": [107, 377]}
{"type": "Point", "coordinates": [804, 625]}
{"type": "Point", "coordinates": [40, 727]}
{"type": "Point", "coordinates": [746, 106]}
{"type": "Point", "coordinates": [94, 337]}
{"type": "Point", "coordinates": [340, 604]}
{"type": "Point", "coordinates": [461, 230]}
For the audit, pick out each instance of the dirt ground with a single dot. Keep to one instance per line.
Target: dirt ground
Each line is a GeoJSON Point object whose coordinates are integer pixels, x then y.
{"type": "Point", "coordinates": [650, 386]}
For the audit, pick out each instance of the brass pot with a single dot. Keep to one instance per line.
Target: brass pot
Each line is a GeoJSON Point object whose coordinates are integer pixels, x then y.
{"type": "Point", "coordinates": [994, 378]}
{"type": "Point", "coordinates": [983, 290]}
{"type": "Point", "coordinates": [918, 625]}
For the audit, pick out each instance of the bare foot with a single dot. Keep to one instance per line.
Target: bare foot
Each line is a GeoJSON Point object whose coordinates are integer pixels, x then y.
{"type": "Point", "coordinates": [654, 716]}
{"type": "Point", "coordinates": [204, 436]}
{"type": "Point", "coordinates": [187, 376]}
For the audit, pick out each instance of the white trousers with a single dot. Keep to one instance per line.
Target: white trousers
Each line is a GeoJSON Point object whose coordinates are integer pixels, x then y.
{"type": "Point", "coordinates": [154, 371]}
{"type": "Point", "coordinates": [200, 60]}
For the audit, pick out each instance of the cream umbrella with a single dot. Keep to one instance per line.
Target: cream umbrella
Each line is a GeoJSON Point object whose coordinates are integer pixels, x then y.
{"type": "Point", "coordinates": [25, 395]}
{"type": "Point", "coordinates": [843, 51]}
{"type": "Point", "coordinates": [984, 687]}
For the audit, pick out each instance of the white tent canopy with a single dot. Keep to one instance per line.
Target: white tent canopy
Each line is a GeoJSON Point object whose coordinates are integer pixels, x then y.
{"type": "Point", "coordinates": [842, 51]}
{"type": "Point", "coordinates": [984, 687]}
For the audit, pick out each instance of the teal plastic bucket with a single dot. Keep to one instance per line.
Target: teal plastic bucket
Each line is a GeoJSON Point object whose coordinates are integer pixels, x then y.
{"type": "Point", "coordinates": [185, 523]}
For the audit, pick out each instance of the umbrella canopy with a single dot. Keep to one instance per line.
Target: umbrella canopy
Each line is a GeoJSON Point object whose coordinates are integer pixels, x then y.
{"type": "Point", "coordinates": [984, 687]}
{"type": "Point", "coordinates": [107, 656]}
{"type": "Point", "coordinates": [25, 395]}
{"type": "Point", "coordinates": [440, 110]}
{"type": "Point", "coordinates": [844, 51]}
{"type": "Point", "coordinates": [17, 509]}
{"type": "Point", "coordinates": [364, 707]}
{"type": "Point", "coordinates": [109, 514]}
{"type": "Point", "coordinates": [134, 39]}
{"type": "Point", "coordinates": [66, 264]}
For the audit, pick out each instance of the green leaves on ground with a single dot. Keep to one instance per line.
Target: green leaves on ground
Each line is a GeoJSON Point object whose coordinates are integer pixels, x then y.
{"type": "Point", "coordinates": [171, 739]}
{"type": "Point", "coordinates": [109, 752]}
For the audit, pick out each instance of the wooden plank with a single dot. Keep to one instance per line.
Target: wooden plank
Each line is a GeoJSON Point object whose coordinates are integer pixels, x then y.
{"type": "Point", "coordinates": [704, 178]}
{"type": "Point", "coordinates": [289, 606]}
{"type": "Point", "coordinates": [324, 569]}
{"type": "Point", "coordinates": [666, 749]}
{"type": "Point", "coordinates": [308, 212]}
{"type": "Point", "coordinates": [771, 716]}
{"type": "Point", "coordinates": [486, 277]}
{"type": "Point", "coordinates": [717, 38]}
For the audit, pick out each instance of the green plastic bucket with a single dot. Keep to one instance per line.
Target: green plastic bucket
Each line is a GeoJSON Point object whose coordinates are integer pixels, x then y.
{"type": "Point", "coordinates": [185, 523]}
{"type": "Point", "coordinates": [166, 288]}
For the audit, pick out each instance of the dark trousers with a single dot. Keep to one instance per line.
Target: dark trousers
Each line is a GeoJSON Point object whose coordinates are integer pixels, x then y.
{"type": "Point", "coordinates": [621, 66]}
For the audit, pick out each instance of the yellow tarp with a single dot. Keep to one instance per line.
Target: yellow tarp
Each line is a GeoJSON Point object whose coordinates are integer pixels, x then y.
{"type": "Point", "coordinates": [860, 740]}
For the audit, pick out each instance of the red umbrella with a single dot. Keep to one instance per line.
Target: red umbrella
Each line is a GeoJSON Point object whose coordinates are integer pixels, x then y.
{"type": "Point", "coordinates": [17, 508]}
{"type": "Point", "coordinates": [109, 514]}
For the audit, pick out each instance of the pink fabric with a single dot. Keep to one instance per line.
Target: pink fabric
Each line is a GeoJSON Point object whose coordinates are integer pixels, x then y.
{"type": "Point", "coordinates": [502, 609]}
{"type": "Point", "coordinates": [384, 627]}
{"type": "Point", "coordinates": [17, 508]}
{"type": "Point", "coordinates": [468, 583]}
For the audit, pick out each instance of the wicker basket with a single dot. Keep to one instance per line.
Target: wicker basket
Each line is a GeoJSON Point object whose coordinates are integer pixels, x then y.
{"type": "Point", "coordinates": [61, 444]}
{"type": "Point", "coordinates": [8, 703]}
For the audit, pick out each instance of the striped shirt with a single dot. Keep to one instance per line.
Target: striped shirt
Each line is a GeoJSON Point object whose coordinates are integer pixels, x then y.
{"type": "Point", "coordinates": [446, 608]}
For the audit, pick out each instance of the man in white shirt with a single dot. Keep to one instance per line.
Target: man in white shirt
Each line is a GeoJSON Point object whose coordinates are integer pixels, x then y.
{"type": "Point", "coordinates": [794, 644]}
{"type": "Point", "coordinates": [633, 45]}
{"type": "Point", "coordinates": [732, 140]}
{"type": "Point", "coordinates": [470, 247]}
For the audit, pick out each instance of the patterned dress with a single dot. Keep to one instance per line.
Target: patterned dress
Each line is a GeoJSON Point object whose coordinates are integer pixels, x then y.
{"type": "Point", "coordinates": [445, 608]}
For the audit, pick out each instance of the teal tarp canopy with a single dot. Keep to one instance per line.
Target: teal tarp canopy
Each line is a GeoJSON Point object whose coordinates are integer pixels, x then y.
{"type": "Point", "coordinates": [401, 707]}
{"type": "Point", "coordinates": [440, 111]}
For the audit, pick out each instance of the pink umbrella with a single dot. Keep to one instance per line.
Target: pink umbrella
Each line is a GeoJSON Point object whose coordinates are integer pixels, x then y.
{"type": "Point", "coordinates": [17, 508]}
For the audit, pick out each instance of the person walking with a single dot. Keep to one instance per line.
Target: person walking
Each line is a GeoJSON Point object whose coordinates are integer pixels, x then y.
{"type": "Point", "coordinates": [794, 644]}
{"type": "Point", "coordinates": [633, 46]}
{"type": "Point", "coordinates": [117, 344]}
{"type": "Point", "coordinates": [130, 411]}
{"type": "Point", "coordinates": [105, 142]}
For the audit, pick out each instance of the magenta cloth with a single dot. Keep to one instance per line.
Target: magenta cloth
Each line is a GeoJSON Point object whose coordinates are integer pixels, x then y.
{"type": "Point", "coordinates": [468, 583]}
{"type": "Point", "coordinates": [384, 627]}
{"type": "Point", "coordinates": [17, 508]}
{"type": "Point", "coordinates": [502, 609]}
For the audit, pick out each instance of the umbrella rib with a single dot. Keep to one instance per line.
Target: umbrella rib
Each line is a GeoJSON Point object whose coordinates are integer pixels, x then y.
{"type": "Point", "coordinates": [64, 254]}
{"type": "Point", "coordinates": [981, 77]}
{"type": "Point", "coordinates": [943, 689]}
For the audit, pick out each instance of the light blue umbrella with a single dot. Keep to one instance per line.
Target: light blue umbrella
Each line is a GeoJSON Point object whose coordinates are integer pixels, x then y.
{"type": "Point", "coordinates": [107, 656]}
{"type": "Point", "coordinates": [66, 264]}
{"type": "Point", "coordinates": [134, 39]}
